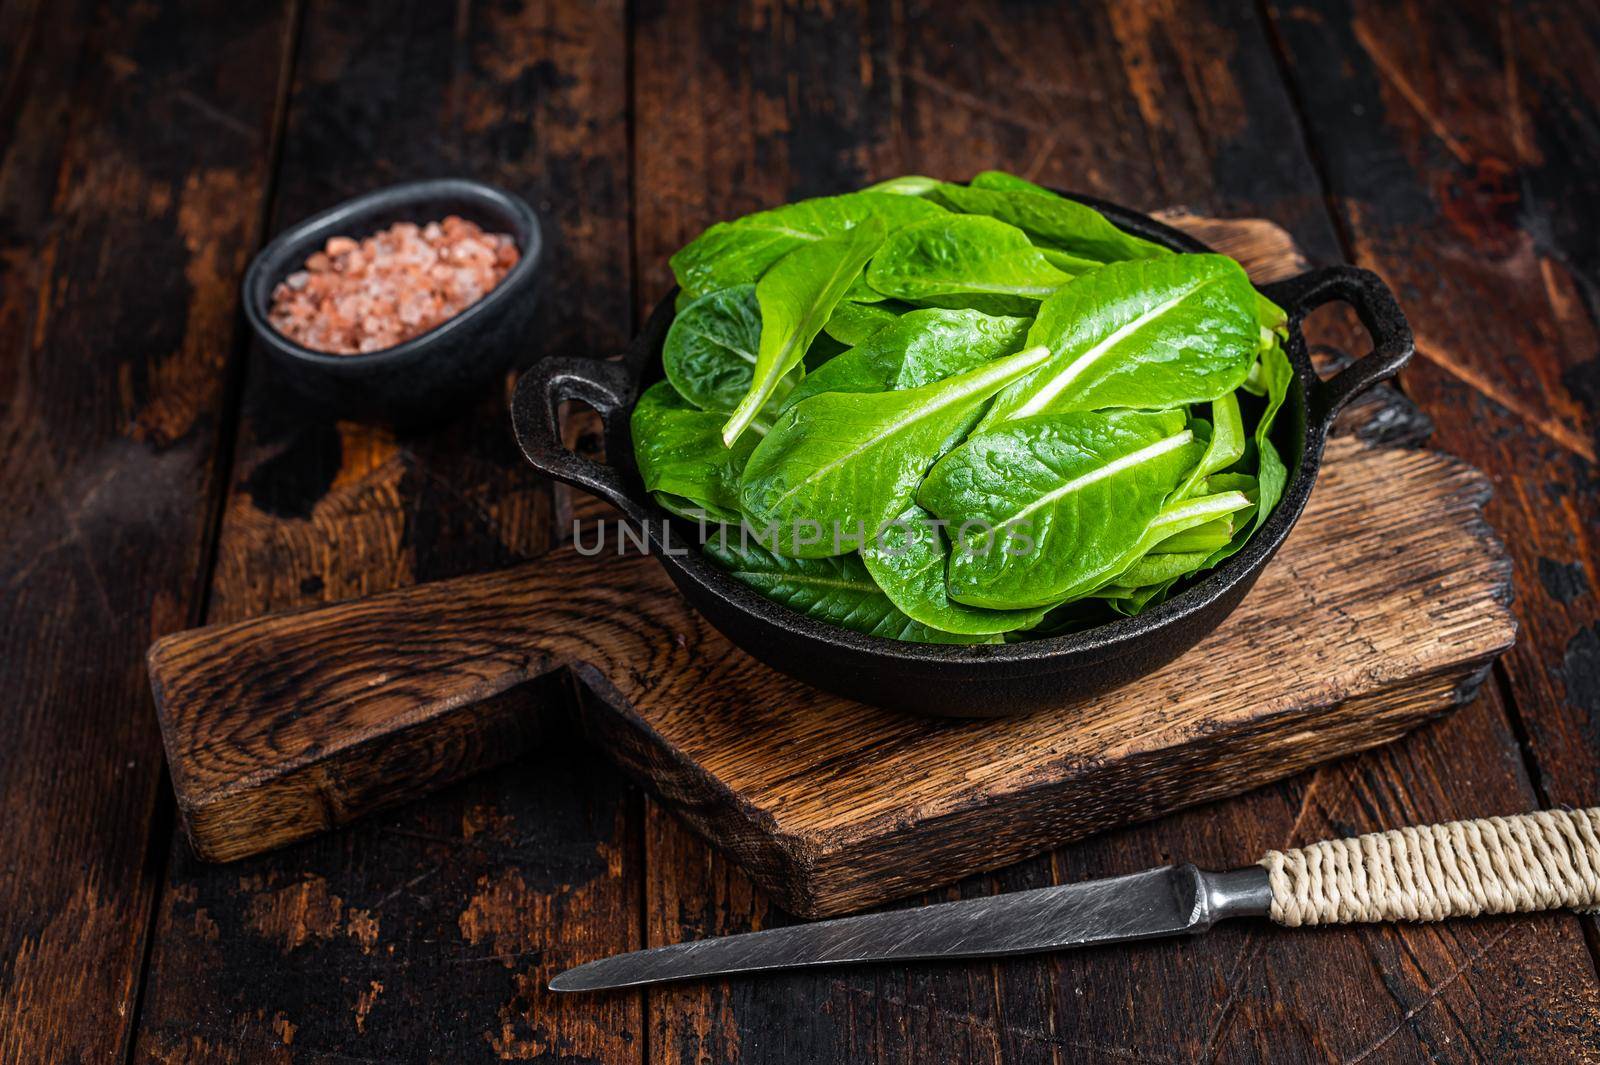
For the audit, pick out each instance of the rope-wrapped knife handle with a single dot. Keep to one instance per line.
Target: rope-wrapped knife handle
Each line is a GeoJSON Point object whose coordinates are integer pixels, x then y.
{"type": "Point", "coordinates": [1539, 861]}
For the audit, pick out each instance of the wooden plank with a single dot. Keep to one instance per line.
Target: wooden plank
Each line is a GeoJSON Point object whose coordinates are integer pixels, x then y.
{"type": "Point", "coordinates": [426, 934]}
{"type": "Point", "coordinates": [1177, 102]}
{"type": "Point", "coordinates": [133, 165]}
{"type": "Point", "coordinates": [20, 47]}
{"type": "Point", "coordinates": [277, 726]}
{"type": "Point", "coordinates": [246, 785]}
{"type": "Point", "coordinates": [1469, 182]}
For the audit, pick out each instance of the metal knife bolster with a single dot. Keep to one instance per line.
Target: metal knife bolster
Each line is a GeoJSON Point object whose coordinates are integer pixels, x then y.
{"type": "Point", "coordinates": [1242, 892]}
{"type": "Point", "coordinates": [1168, 901]}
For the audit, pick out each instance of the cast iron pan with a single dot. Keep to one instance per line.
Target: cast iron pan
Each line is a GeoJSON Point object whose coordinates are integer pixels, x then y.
{"type": "Point", "coordinates": [964, 681]}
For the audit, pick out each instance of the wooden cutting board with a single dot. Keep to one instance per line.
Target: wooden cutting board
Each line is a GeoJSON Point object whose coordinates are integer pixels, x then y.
{"type": "Point", "coordinates": [1384, 608]}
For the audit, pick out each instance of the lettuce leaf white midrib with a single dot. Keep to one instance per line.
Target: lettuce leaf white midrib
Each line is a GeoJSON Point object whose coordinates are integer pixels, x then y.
{"type": "Point", "coordinates": [999, 290]}
{"type": "Point", "coordinates": [815, 301]}
{"type": "Point", "coordinates": [778, 369]}
{"type": "Point", "coordinates": [747, 356]}
{"type": "Point", "coordinates": [1076, 368]}
{"type": "Point", "coordinates": [1001, 370]}
{"type": "Point", "coordinates": [798, 234]}
{"type": "Point", "coordinates": [1202, 506]}
{"type": "Point", "coordinates": [1110, 469]}
{"type": "Point", "coordinates": [759, 577]}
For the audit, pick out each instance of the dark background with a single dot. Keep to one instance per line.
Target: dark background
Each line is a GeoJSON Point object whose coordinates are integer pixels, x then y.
{"type": "Point", "coordinates": [150, 480]}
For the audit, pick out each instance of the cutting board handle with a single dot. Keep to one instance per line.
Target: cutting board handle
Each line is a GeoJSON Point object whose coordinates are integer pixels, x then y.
{"type": "Point", "coordinates": [283, 726]}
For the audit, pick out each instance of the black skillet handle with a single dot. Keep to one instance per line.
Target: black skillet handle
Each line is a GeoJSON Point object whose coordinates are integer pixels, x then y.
{"type": "Point", "coordinates": [1378, 310]}
{"type": "Point", "coordinates": [536, 419]}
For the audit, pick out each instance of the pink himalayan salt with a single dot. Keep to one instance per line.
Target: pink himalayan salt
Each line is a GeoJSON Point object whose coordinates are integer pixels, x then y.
{"type": "Point", "coordinates": [359, 296]}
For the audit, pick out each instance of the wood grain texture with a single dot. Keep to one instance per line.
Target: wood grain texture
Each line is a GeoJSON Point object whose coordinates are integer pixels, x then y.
{"type": "Point", "coordinates": [1384, 608]}
{"type": "Point", "coordinates": [134, 152]}
{"type": "Point", "coordinates": [1471, 185]}
{"type": "Point", "coordinates": [1455, 143]}
{"type": "Point", "coordinates": [426, 934]}
{"type": "Point", "coordinates": [1179, 102]}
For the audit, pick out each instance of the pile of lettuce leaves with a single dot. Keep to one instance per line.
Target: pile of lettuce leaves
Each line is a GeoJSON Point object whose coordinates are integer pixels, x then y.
{"type": "Point", "coordinates": [962, 413]}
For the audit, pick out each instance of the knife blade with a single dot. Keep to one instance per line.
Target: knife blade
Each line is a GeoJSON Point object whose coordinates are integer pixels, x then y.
{"type": "Point", "coordinates": [1522, 863]}
{"type": "Point", "coordinates": [1168, 901]}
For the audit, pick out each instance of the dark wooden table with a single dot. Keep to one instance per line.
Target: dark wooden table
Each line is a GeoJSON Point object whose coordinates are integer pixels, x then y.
{"type": "Point", "coordinates": [151, 479]}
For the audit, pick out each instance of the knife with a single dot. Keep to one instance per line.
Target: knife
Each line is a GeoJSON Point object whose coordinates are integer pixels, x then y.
{"type": "Point", "coordinates": [1537, 861]}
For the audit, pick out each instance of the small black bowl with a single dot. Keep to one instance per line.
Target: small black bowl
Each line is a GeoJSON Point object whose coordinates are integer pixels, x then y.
{"type": "Point", "coordinates": [965, 681]}
{"type": "Point", "coordinates": [427, 376]}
